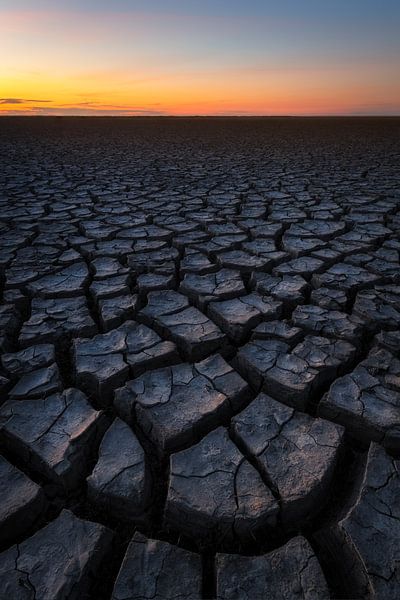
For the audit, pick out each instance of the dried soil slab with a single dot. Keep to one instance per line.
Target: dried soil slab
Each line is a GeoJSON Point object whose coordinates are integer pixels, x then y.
{"type": "Point", "coordinates": [157, 570]}
{"type": "Point", "coordinates": [298, 247]}
{"type": "Point", "coordinates": [163, 261]}
{"type": "Point", "coordinates": [111, 248]}
{"type": "Point", "coordinates": [390, 269]}
{"type": "Point", "coordinates": [260, 247]}
{"type": "Point", "coordinates": [220, 243]}
{"type": "Point", "coordinates": [190, 239]}
{"type": "Point", "coordinates": [68, 257]}
{"type": "Point", "coordinates": [54, 318]}
{"type": "Point", "coordinates": [20, 272]}
{"type": "Point", "coordinates": [237, 317]}
{"type": "Point", "coordinates": [243, 261]}
{"type": "Point", "coordinates": [304, 266]}
{"type": "Point", "coordinates": [215, 493]}
{"type": "Point", "coordinates": [104, 362]}
{"type": "Point", "coordinates": [60, 561]}
{"type": "Point", "coordinates": [114, 311]}
{"type": "Point", "coordinates": [357, 238]}
{"type": "Point", "coordinates": [343, 276]}
{"type": "Point", "coordinates": [389, 340]}
{"type": "Point", "coordinates": [267, 230]}
{"type": "Point", "coordinates": [379, 308]}
{"type": "Point", "coordinates": [224, 229]}
{"type": "Point", "coordinates": [197, 263]}
{"type": "Point", "coordinates": [109, 287]}
{"type": "Point", "coordinates": [148, 282]}
{"type": "Point", "coordinates": [120, 482]}
{"type": "Point", "coordinates": [279, 330]}
{"type": "Point", "coordinates": [97, 230]}
{"type": "Point", "coordinates": [194, 333]}
{"type": "Point", "coordinates": [290, 290]}
{"type": "Point", "coordinates": [22, 502]}
{"type": "Point", "coordinates": [349, 247]}
{"type": "Point", "coordinates": [366, 539]}
{"type": "Point", "coordinates": [313, 363]}
{"type": "Point", "coordinates": [106, 266]}
{"type": "Point", "coordinates": [293, 377]}
{"type": "Point", "coordinates": [292, 380]}
{"type": "Point", "coordinates": [296, 453]}
{"type": "Point", "coordinates": [99, 374]}
{"type": "Point", "coordinates": [256, 358]}
{"type": "Point", "coordinates": [65, 283]}
{"type": "Point", "coordinates": [367, 401]}
{"type": "Point", "coordinates": [173, 406]}
{"type": "Point", "coordinates": [177, 224]}
{"type": "Point", "coordinates": [163, 303]}
{"type": "Point", "coordinates": [328, 255]}
{"type": "Point", "coordinates": [150, 232]}
{"type": "Point", "coordinates": [223, 285]}
{"type": "Point", "coordinates": [389, 294]}
{"type": "Point", "coordinates": [288, 573]}
{"type": "Point", "coordinates": [310, 228]}
{"type": "Point", "coordinates": [29, 359]}
{"type": "Point", "coordinates": [328, 322]}
{"type": "Point", "coordinates": [289, 215]}
{"type": "Point", "coordinates": [329, 298]}
{"type": "Point", "coordinates": [38, 383]}
{"type": "Point", "coordinates": [54, 436]}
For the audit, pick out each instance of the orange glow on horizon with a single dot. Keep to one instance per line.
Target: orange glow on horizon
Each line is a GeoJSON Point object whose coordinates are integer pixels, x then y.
{"type": "Point", "coordinates": [113, 92]}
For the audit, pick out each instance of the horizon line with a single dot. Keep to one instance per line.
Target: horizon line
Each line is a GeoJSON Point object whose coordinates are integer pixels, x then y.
{"type": "Point", "coordinates": [196, 116]}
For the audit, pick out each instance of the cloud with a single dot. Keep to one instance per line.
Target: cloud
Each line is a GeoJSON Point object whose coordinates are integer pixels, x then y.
{"type": "Point", "coordinates": [79, 110]}
{"type": "Point", "coordinates": [19, 100]}
{"type": "Point", "coordinates": [104, 107]}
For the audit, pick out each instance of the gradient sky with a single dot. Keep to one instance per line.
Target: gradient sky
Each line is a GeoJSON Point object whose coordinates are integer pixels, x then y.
{"type": "Point", "coordinates": [180, 57]}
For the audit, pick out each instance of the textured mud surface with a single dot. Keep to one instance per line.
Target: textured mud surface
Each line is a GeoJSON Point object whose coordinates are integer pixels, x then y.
{"type": "Point", "coordinates": [200, 359]}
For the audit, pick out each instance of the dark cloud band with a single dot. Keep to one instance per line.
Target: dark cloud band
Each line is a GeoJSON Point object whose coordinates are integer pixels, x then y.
{"type": "Point", "coordinates": [19, 100]}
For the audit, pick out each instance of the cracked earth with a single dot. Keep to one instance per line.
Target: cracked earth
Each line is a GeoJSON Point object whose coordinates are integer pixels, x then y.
{"type": "Point", "coordinates": [200, 359]}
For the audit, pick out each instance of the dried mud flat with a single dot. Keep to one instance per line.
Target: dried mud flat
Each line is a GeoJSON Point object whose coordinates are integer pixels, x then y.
{"type": "Point", "coordinates": [200, 359]}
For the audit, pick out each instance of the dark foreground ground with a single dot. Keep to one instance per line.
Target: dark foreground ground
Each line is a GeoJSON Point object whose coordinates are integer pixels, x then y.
{"type": "Point", "coordinates": [200, 359]}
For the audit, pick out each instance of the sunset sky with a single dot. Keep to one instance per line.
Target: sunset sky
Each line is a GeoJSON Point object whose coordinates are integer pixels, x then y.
{"type": "Point", "coordinates": [187, 57]}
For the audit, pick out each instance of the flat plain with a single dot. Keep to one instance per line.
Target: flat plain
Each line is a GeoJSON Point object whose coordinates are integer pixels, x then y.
{"type": "Point", "coordinates": [200, 358]}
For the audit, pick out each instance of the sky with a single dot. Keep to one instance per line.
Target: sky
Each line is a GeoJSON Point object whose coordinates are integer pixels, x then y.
{"type": "Point", "coordinates": [205, 57]}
